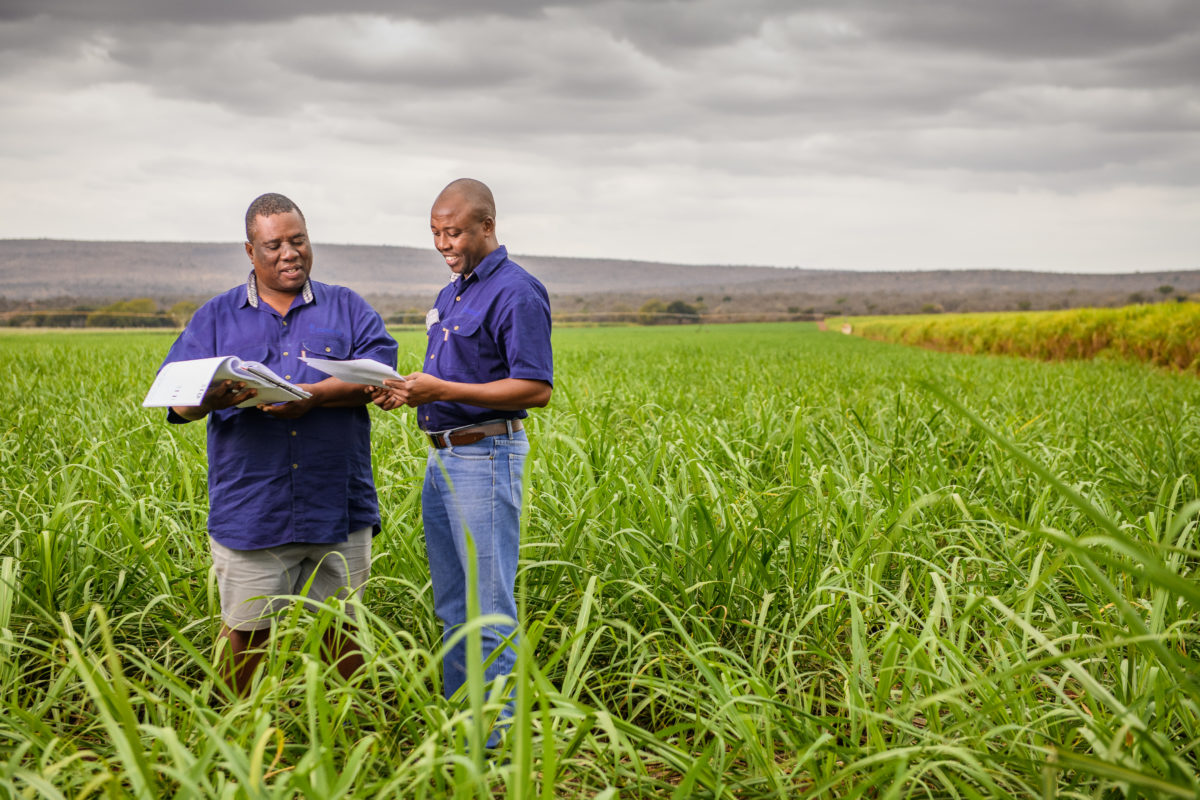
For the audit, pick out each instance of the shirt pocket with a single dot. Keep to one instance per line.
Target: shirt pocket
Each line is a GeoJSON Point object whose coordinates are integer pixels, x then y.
{"type": "Point", "coordinates": [459, 353]}
{"type": "Point", "coordinates": [326, 346]}
{"type": "Point", "coordinates": [254, 352]}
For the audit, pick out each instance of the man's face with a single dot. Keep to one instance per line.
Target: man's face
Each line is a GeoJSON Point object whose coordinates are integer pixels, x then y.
{"type": "Point", "coordinates": [459, 235]}
{"type": "Point", "coordinates": [280, 252]}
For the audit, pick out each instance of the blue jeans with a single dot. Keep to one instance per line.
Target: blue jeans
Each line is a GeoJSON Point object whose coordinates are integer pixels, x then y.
{"type": "Point", "coordinates": [483, 495]}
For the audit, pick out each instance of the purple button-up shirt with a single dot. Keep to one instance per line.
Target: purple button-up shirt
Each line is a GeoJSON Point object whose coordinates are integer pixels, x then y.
{"type": "Point", "coordinates": [493, 324]}
{"type": "Point", "coordinates": [277, 481]}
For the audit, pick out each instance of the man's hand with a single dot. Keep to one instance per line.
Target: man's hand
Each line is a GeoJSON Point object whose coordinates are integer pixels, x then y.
{"type": "Point", "coordinates": [219, 396]}
{"type": "Point", "coordinates": [293, 409]}
{"type": "Point", "coordinates": [412, 390]}
{"type": "Point", "coordinates": [227, 394]}
{"type": "Point", "coordinates": [418, 388]}
{"type": "Point", "coordinates": [392, 395]}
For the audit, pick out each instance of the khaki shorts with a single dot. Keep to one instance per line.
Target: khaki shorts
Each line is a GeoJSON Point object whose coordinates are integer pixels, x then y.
{"type": "Point", "coordinates": [251, 581]}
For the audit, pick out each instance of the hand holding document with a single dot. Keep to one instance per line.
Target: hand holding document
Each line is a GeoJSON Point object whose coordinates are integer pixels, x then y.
{"type": "Point", "coordinates": [355, 370]}
{"type": "Point", "coordinates": [183, 383]}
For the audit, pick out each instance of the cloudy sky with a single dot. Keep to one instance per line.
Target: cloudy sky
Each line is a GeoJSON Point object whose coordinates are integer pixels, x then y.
{"type": "Point", "coordinates": [843, 134]}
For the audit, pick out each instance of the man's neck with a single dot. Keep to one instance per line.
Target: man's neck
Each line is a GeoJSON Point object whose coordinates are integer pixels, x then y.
{"type": "Point", "coordinates": [279, 301]}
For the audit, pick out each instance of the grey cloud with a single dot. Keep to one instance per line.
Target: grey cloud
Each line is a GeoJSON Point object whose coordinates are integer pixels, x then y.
{"type": "Point", "coordinates": [1174, 63]}
{"type": "Point", "coordinates": [1116, 110]}
{"type": "Point", "coordinates": [31, 45]}
{"type": "Point", "coordinates": [223, 12]}
{"type": "Point", "coordinates": [1051, 29]}
{"type": "Point", "coordinates": [426, 74]}
{"type": "Point", "coordinates": [836, 64]}
{"type": "Point", "coordinates": [501, 54]}
{"type": "Point", "coordinates": [1025, 152]}
{"type": "Point", "coordinates": [1047, 29]}
{"type": "Point", "coordinates": [679, 24]}
{"type": "Point", "coordinates": [225, 68]}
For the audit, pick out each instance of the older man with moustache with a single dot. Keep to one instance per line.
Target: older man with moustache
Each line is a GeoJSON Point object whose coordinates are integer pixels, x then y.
{"type": "Point", "coordinates": [291, 497]}
{"type": "Point", "coordinates": [488, 359]}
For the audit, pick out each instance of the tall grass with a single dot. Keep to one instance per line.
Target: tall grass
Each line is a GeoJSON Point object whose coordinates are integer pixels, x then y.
{"type": "Point", "coordinates": [758, 561]}
{"type": "Point", "coordinates": [1166, 334]}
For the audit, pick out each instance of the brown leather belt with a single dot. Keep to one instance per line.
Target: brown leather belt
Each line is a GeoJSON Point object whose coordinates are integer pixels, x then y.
{"type": "Point", "coordinates": [470, 434]}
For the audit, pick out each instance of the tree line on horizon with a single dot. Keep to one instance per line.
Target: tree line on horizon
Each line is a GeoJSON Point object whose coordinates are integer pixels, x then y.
{"type": "Point", "coordinates": [146, 312]}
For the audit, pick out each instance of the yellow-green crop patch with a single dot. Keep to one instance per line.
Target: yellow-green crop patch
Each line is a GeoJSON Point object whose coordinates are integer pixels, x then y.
{"type": "Point", "coordinates": [1166, 335]}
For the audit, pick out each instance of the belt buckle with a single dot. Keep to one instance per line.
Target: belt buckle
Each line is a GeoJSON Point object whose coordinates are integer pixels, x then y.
{"type": "Point", "coordinates": [441, 439]}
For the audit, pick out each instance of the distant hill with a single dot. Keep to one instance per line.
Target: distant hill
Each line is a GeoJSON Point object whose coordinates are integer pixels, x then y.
{"type": "Point", "coordinates": [400, 277]}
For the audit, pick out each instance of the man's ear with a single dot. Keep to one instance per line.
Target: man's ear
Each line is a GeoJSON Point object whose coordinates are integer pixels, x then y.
{"type": "Point", "coordinates": [250, 251]}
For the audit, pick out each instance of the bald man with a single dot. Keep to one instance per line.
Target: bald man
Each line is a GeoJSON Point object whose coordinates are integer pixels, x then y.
{"type": "Point", "coordinates": [488, 360]}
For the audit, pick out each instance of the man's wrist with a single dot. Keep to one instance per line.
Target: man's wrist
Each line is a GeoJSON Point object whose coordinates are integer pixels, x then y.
{"type": "Point", "coordinates": [445, 391]}
{"type": "Point", "coordinates": [191, 413]}
{"type": "Point", "coordinates": [316, 394]}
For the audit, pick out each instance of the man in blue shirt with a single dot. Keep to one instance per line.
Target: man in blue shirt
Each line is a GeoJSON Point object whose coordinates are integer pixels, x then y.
{"type": "Point", "coordinates": [488, 359]}
{"type": "Point", "coordinates": [291, 498]}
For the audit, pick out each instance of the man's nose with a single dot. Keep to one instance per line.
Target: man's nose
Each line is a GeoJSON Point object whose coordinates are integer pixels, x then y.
{"type": "Point", "coordinates": [441, 241]}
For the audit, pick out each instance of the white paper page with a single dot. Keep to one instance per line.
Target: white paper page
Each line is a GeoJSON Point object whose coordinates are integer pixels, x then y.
{"type": "Point", "coordinates": [356, 370]}
{"type": "Point", "coordinates": [271, 387]}
{"type": "Point", "coordinates": [182, 383]}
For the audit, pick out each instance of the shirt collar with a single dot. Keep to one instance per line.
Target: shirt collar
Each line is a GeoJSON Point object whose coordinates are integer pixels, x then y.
{"type": "Point", "coordinates": [252, 290]}
{"type": "Point", "coordinates": [488, 265]}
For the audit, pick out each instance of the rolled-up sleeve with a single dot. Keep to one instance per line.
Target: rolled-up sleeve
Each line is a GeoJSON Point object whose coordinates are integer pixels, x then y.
{"type": "Point", "coordinates": [371, 339]}
{"type": "Point", "coordinates": [198, 340]}
{"type": "Point", "coordinates": [524, 338]}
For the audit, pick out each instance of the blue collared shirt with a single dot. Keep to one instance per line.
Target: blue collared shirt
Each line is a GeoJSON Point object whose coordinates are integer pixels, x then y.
{"type": "Point", "coordinates": [277, 481]}
{"type": "Point", "coordinates": [493, 324]}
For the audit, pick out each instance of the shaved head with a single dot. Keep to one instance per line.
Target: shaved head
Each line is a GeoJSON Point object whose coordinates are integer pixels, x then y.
{"type": "Point", "coordinates": [471, 193]}
{"type": "Point", "coordinates": [463, 223]}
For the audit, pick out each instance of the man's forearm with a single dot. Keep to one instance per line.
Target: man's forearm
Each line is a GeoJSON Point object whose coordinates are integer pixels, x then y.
{"type": "Point", "coordinates": [223, 394]}
{"type": "Point", "coordinates": [335, 393]}
{"type": "Point", "coordinates": [506, 394]}
{"type": "Point", "coordinates": [191, 413]}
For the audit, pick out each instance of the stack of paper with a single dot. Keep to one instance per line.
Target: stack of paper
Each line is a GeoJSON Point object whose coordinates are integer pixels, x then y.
{"type": "Point", "coordinates": [184, 383]}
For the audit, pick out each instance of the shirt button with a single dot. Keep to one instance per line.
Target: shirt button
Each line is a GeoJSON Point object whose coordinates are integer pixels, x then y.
{"type": "Point", "coordinates": [285, 352]}
{"type": "Point", "coordinates": [458, 298]}
{"type": "Point", "coordinates": [287, 377]}
{"type": "Point", "coordinates": [455, 327]}
{"type": "Point", "coordinates": [431, 358]}
{"type": "Point", "coordinates": [293, 433]}
{"type": "Point", "coordinates": [295, 466]}
{"type": "Point", "coordinates": [285, 322]}
{"type": "Point", "coordinates": [326, 349]}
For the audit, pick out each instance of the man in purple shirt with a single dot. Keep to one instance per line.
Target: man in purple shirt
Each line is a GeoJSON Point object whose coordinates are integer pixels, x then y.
{"type": "Point", "coordinates": [487, 360]}
{"type": "Point", "coordinates": [291, 498]}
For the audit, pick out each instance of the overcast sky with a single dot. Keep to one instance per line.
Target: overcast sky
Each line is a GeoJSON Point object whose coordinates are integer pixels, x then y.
{"type": "Point", "coordinates": [846, 134]}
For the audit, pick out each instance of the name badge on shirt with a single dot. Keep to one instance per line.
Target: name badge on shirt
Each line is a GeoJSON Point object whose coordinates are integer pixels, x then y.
{"type": "Point", "coordinates": [431, 319]}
